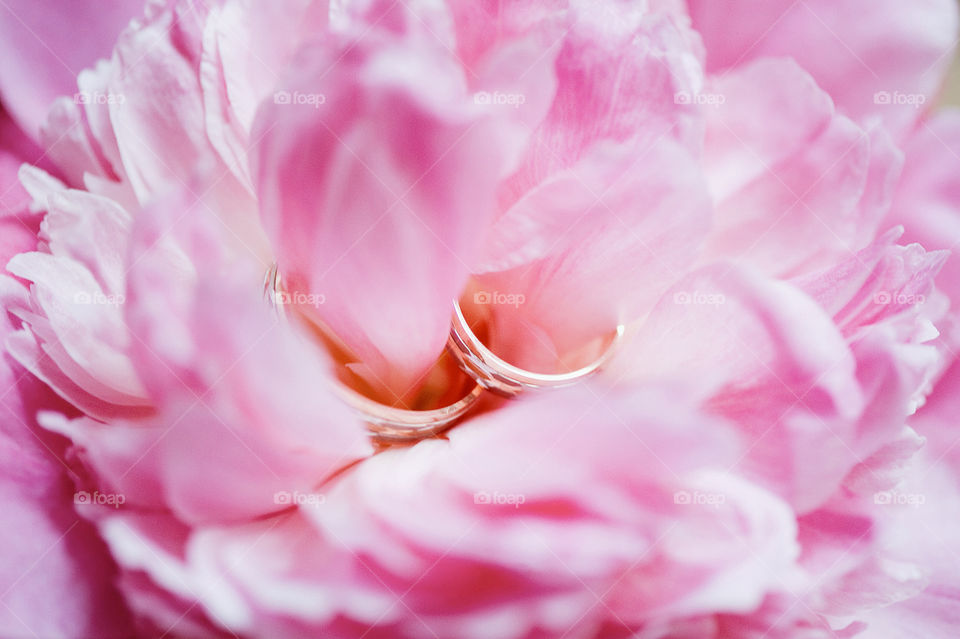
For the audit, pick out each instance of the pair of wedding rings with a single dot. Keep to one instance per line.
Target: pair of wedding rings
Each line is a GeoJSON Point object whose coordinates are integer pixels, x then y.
{"type": "Point", "coordinates": [491, 373]}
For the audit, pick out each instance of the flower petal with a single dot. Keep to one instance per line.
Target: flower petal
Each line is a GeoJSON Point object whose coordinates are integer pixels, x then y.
{"type": "Point", "coordinates": [57, 575]}
{"type": "Point", "coordinates": [788, 202]}
{"type": "Point", "coordinates": [885, 57]}
{"type": "Point", "coordinates": [246, 47]}
{"type": "Point", "coordinates": [376, 193]}
{"type": "Point", "coordinates": [596, 245]}
{"type": "Point", "coordinates": [621, 73]}
{"type": "Point", "coordinates": [767, 357]}
{"type": "Point", "coordinates": [41, 36]}
{"type": "Point", "coordinates": [927, 200]}
{"type": "Point", "coordinates": [203, 338]}
{"type": "Point", "coordinates": [488, 540]}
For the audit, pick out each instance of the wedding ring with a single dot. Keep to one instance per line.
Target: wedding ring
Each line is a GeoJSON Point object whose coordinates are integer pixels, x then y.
{"type": "Point", "coordinates": [397, 425]}
{"type": "Point", "coordinates": [387, 424]}
{"type": "Point", "coordinates": [271, 287]}
{"type": "Point", "coordinates": [498, 376]}
{"type": "Point", "coordinates": [390, 424]}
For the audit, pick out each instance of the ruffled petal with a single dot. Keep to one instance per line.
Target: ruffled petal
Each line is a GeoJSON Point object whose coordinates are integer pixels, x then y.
{"type": "Point", "coordinates": [883, 59]}
{"type": "Point", "coordinates": [246, 47]}
{"type": "Point", "coordinates": [767, 357]}
{"type": "Point", "coordinates": [927, 199]}
{"type": "Point", "coordinates": [240, 397]}
{"type": "Point", "coordinates": [593, 246]}
{"type": "Point", "coordinates": [375, 190]}
{"type": "Point", "coordinates": [623, 73]}
{"type": "Point", "coordinates": [796, 185]}
{"type": "Point", "coordinates": [487, 540]}
{"type": "Point", "coordinates": [57, 576]}
{"type": "Point", "coordinates": [39, 39]}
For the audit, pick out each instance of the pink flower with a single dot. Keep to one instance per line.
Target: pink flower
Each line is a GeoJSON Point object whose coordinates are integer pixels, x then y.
{"type": "Point", "coordinates": [761, 195]}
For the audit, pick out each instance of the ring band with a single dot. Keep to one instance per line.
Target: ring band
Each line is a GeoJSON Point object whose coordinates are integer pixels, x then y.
{"type": "Point", "coordinates": [503, 378]}
{"type": "Point", "coordinates": [397, 425]}
{"type": "Point", "coordinates": [390, 424]}
{"type": "Point", "coordinates": [387, 424]}
{"type": "Point", "coordinates": [272, 288]}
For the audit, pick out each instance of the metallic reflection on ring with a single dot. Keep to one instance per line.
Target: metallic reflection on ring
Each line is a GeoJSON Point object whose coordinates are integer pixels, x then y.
{"type": "Point", "coordinates": [387, 424]}
{"type": "Point", "coordinates": [503, 378]}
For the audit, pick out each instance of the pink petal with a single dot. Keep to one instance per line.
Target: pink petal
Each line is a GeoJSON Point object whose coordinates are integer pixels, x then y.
{"type": "Point", "coordinates": [15, 149]}
{"type": "Point", "coordinates": [927, 200]}
{"type": "Point", "coordinates": [78, 135]}
{"type": "Point", "coordinates": [157, 107]}
{"type": "Point", "coordinates": [935, 613]}
{"type": "Point", "coordinates": [935, 420]}
{"type": "Point", "coordinates": [894, 374]}
{"type": "Point", "coordinates": [246, 47]}
{"type": "Point", "coordinates": [151, 551]}
{"type": "Point", "coordinates": [596, 245]}
{"type": "Point", "coordinates": [74, 309]}
{"type": "Point", "coordinates": [509, 52]}
{"type": "Point", "coordinates": [788, 202]}
{"type": "Point", "coordinates": [218, 416]}
{"type": "Point", "coordinates": [467, 569]}
{"type": "Point", "coordinates": [884, 58]}
{"type": "Point", "coordinates": [68, 141]}
{"type": "Point", "coordinates": [927, 507]}
{"type": "Point", "coordinates": [377, 197]}
{"type": "Point", "coordinates": [619, 74]}
{"type": "Point", "coordinates": [881, 282]}
{"type": "Point", "coordinates": [769, 359]}
{"type": "Point", "coordinates": [41, 36]}
{"type": "Point", "coordinates": [475, 22]}
{"type": "Point", "coordinates": [888, 467]}
{"type": "Point", "coordinates": [56, 574]}
{"type": "Point", "coordinates": [595, 522]}
{"type": "Point", "coordinates": [51, 365]}
{"type": "Point", "coordinates": [75, 312]}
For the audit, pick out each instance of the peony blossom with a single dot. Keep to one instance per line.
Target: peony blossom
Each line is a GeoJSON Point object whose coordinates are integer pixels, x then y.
{"type": "Point", "coordinates": [761, 197]}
